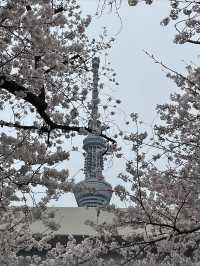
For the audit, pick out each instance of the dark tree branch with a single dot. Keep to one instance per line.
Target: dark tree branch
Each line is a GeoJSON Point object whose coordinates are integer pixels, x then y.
{"type": "Point", "coordinates": [17, 125]}
{"type": "Point", "coordinates": [40, 105]}
{"type": "Point", "coordinates": [194, 42]}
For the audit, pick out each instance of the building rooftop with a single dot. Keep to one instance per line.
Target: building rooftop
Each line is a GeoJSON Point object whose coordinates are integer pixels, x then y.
{"type": "Point", "coordinates": [72, 220]}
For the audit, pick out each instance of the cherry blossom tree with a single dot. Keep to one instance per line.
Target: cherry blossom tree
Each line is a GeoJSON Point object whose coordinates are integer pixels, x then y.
{"type": "Point", "coordinates": [45, 78]}
{"type": "Point", "coordinates": [162, 173]}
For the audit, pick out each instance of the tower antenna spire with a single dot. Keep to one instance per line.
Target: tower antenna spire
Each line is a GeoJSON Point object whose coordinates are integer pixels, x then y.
{"type": "Point", "coordinates": [94, 123]}
{"type": "Point", "coordinates": [94, 190]}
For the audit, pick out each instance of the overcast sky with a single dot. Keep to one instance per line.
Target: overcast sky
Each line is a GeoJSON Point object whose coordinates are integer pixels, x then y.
{"type": "Point", "coordinates": [143, 84]}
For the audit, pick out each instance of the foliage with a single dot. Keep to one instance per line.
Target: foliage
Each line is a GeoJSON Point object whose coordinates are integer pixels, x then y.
{"type": "Point", "coordinates": [45, 79]}
{"type": "Point", "coordinates": [164, 182]}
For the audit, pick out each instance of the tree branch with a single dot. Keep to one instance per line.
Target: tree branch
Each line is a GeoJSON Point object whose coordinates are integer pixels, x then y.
{"type": "Point", "coordinates": [40, 104]}
{"type": "Point", "coordinates": [194, 42]}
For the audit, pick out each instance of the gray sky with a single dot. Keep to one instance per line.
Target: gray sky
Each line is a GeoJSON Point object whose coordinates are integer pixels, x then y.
{"type": "Point", "coordinates": [143, 84]}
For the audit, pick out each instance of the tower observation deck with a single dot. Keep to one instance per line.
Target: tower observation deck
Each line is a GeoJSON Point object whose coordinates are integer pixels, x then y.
{"type": "Point", "coordinates": [94, 190]}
